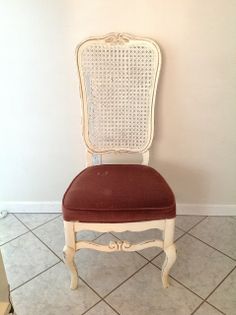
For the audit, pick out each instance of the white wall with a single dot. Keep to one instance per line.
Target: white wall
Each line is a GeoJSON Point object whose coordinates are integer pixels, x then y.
{"type": "Point", "coordinates": [195, 136]}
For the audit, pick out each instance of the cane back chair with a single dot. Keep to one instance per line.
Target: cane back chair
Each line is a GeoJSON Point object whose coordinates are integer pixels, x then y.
{"type": "Point", "coordinates": [118, 76]}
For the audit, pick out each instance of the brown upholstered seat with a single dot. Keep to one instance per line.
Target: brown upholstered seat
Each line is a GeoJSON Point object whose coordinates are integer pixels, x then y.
{"type": "Point", "coordinates": [118, 193]}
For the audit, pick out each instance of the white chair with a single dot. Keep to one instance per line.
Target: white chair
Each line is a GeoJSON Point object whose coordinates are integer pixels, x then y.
{"type": "Point", "coordinates": [118, 76]}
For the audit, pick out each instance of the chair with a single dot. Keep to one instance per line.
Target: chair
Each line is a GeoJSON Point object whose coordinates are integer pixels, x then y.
{"type": "Point", "coordinates": [118, 76]}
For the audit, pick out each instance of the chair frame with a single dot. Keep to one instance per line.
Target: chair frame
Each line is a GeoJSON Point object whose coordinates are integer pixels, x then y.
{"type": "Point", "coordinates": [94, 156]}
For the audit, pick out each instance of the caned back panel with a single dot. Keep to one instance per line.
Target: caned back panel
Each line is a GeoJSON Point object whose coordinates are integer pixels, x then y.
{"type": "Point", "coordinates": [118, 78]}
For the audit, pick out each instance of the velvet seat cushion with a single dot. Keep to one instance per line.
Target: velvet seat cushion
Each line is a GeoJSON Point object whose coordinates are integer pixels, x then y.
{"type": "Point", "coordinates": [118, 193]}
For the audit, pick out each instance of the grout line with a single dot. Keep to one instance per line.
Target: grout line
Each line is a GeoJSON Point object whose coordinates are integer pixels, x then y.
{"type": "Point", "coordinates": [82, 279]}
{"type": "Point", "coordinates": [102, 300]}
{"type": "Point", "coordinates": [12, 239]}
{"type": "Point", "coordinates": [221, 282]}
{"type": "Point", "coordinates": [211, 246]}
{"type": "Point", "coordinates": [46, 222]}
{"type": "Point", "coordinates": [21, 222]}
{"type": "Point", "coordinates": [15, 215]}
{"type": "Point", "coordinates": [197, 308]}
{"type": "Point", "coordinates": [142, 255]}
{"type": "Point", "coordinates": [35, 276]}
{"type": "Point", "coordinates": [94, 239]}
{"type": "Point", "coordinates": [179, 282]}
{"type": "Point", "coordinates": [186, 231]}
{"type": "Point", "coordinates": [47, 246]}
{"type": "Point", "coordinates": [215, 308]}
{"type": "Point", "coordinates": [111, 307]}
{"type": "Point", "coordinates": [204, 301]}
{"type": "Point", "coordinates": [105, 296]}
{"type": "Point", "coordinates": [32, 232]}
{"type": "Point", "coordinates": [91, 307]}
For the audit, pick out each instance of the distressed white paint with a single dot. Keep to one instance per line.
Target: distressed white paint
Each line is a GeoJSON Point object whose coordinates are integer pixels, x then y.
{"type": "Point", "coordinates": [71, 245]}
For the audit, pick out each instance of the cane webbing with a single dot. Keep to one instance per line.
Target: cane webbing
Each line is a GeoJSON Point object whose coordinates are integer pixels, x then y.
{"type": "Point", "coordinates": [118, 81]}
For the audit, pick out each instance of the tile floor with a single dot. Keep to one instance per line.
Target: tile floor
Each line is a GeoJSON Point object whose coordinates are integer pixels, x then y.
{"type": "Point", "coordinates": [203, 280]}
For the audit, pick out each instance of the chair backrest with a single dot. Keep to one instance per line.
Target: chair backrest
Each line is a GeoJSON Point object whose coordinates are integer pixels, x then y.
{"type": "Point", "coordinates": [118, 78]}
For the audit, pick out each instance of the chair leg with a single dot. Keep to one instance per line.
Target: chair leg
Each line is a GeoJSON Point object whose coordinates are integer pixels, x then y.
{"type": "Point", "coordinates": [169, 249]}
{"type": "Point", "coordinates": [168, 263]}
{"type": "Point", "coordinates": [69, 254]}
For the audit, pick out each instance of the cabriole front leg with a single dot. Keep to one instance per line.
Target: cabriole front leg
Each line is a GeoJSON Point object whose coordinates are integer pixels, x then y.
{"type": "Point", "coordinates": [170, 259]}
{"type": "Point", "coordinates": [69, 254]}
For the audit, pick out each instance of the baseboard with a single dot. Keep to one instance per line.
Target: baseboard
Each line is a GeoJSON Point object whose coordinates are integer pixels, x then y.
{"type": "Point", "coordinates": [31, 206]}
{"type": "Point", "coordinates": [206, 209]}
{"type": "Point", "coordinates": [182, 209]}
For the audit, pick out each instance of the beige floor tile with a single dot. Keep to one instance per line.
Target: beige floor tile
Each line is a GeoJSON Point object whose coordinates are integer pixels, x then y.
{"type": "Point", "coordinates": [144, 294]}
{"type": "Point", "coordinates": [219, 232]}
{"type": "Point", "coordinates": [206, 309]}
{"type": "Point", "coordinates": [10, 228]}
{"type": "Point", "coordinates": [135, 237]}
{"type": "Point", "coordinates": [49, 294]}
{"type": "Point", "coordinates": [24, 258]}
{"type": "Point", "coordinates": [101, 309]}
{"type": "Point", "coordinates": [224, 298]}
{"type": "Point", "coordinates": [104, 271]}
{"type": "Point", "coordinates": [198, 266]}
{"type": "Point", "coordinates": [186, 222]}
{"type": "Point", "coordinates": [32, 220]}
{"type": "Point", "coordinates": [52, 234]}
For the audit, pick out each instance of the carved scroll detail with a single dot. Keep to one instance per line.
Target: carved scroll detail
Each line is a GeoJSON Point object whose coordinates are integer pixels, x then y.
{"type": "Point", "coordinates": [119, 245]}
{"type": "Point", "coordinates": [117, 38]}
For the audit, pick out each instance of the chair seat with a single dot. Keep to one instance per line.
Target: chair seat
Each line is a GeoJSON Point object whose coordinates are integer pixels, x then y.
{"type": "Point", "coordinates": [115, 193]}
